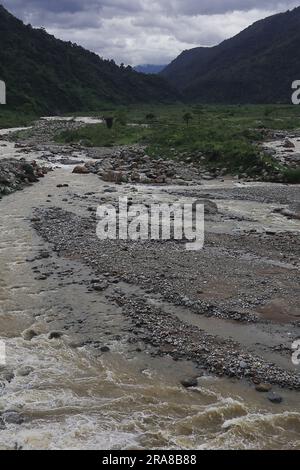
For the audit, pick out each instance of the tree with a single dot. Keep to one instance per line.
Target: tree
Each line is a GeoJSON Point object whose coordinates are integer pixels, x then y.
{"type": "Point", "coordinates": [121, 118]}
{"type": "Point", "coordinates": [109, 122]}
{"type": "Point", "coordinates": [150, 117]}
{"type": "Point", "coordinates": [187, 117]}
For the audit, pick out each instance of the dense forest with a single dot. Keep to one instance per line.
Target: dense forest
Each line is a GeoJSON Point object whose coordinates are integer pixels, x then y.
{"type": "Point", "coordinates": [47, 75]}
{"type": "Point", "coordinates": [256, 66]}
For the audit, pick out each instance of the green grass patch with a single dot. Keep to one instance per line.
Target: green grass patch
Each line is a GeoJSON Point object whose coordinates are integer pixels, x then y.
{"type": "Point", "coordinates": [98, 135]}
{"type": "Point", "coordinates": [226, 136]}
{"type": "Point", "coordinates": [10, 119]}
{"type": "Point", "coordinates": [292, 176]}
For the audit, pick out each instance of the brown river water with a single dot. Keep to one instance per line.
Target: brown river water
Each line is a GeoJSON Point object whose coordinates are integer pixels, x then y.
{"type": "Point", "coordinates": [117, 400]}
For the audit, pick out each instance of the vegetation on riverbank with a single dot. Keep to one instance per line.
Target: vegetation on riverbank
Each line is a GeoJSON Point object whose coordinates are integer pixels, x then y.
{"type": "Point", "coordinates": [15, 119]}
{"type": "Point", "coordinates": [219, 136]}
{"type": "Point", "coordinates": [98, 135]}
{"type": "Point", "coordinates": [292, 176]}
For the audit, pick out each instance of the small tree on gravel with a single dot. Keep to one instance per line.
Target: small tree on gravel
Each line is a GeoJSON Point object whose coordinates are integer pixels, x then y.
{"type": "Point", "coordinates": [187, 117]}
{"type": "Point", "coordinates": [109, 122]}
{"type": "Point", "coordinates": [150, 117]}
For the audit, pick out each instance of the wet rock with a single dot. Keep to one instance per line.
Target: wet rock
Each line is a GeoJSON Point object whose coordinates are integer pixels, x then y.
{"type": "Point", "coordinates": [42, 277]}
{"type": "Point", "coordinates": [29, 334]}
{"type": "Point", "coordinates": [210, 207]}
{"type": "Point", "coordinates": [55, 335]}
{"type": "Point", "coordinates": [100, 287]}
{"type": "Point", "coordinates": [263, 388]}
{"type": "Point", "coordinates": [76, 344]}
{"type": "Point", "coordinates": [189, 383]}
{"type": "Point", "coordinates": [110, 190]}
{"type": "Point", "coordinates": [288, 144]}
{"type": "Point", "coordinates": [112, 176]}
{"type": "Point", "coordinates": [80, 170]}
{"type": "Point", "coordinates": [24, 371]}
{"type": "Point", "coordinates": [243, 365]}
{"type": "Point", "coordinates": [8, 376]}
{"type": "Point", "coordinates": [274, 398]}
{"type": "Point", "coordinates": [16, 174]}
{"type": "Point", "coordinates": [12, 417]}
{"type": "Point", "coordinates": [291, 214]}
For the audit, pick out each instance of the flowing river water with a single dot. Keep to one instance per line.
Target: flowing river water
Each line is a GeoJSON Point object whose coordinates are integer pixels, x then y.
{"type": "Point", "coordinates": [74, 399]}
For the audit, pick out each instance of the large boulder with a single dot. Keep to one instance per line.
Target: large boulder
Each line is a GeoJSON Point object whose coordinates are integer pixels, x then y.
{"type": "Point", "coordinates": [288, 144]}
{"type": "Point", "coordinates": [210, 207]}
{"type": "Point", "coordinates": [112, 176]}
{"type": "Point", "coordinates": [80, 170]}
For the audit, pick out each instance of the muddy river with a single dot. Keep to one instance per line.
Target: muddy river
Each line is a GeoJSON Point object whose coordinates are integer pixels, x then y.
{"type": "Point", "coordinates": [73, 398]}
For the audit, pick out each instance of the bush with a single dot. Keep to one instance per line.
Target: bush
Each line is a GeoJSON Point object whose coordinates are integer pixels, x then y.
{"type": "Point", "coordinates": [292, 176]}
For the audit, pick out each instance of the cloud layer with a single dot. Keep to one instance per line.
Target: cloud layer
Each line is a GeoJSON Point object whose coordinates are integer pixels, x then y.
{"type": "Point", "coordinates": [140, 31]}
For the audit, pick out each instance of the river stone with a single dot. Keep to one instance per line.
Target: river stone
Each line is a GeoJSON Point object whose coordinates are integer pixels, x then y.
{"type": "Point", "coordinates": [80, 170]}
{"type": "Point", "coordinates": [55, 335]}
{"type": "Point", "coordinates": [100, 287]}
{"type": "Point", "coordinates": [263, 388]}
{"type": "Point", "coordinates": [243, 365]}
{"type": "Point", "coordinates": [29, 334]}
{"type": "Point", "coordinates": [274, 398]}
{"type": "Point", "coordinates": [76, 344]}
{"type": "Point", "coordinates": [24, 371]}
{"type": "Point", "coordinates": [188, 383]}
{"type": "Point", "coordinates": [111, 176]}
{"type": "Point", "coordinates": [12, 417]}
{"type": "Point", "coordinates": [7, 375]}
{"type": "Point", "coordinates": [288, 144]}
{"type": "Point", "coordinates": [210, 207]}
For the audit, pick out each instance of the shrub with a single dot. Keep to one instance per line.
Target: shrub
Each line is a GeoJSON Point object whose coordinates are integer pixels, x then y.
{"type": "Point", "coordinates": [292, 176]}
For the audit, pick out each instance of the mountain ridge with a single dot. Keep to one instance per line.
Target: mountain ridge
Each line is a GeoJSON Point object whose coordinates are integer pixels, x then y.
{"type": "Point", "coordinates": [257, 65]}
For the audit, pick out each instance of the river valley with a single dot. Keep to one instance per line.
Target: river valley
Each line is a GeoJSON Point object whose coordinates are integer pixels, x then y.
{"type": "Point", "coordinates": [100, 336]}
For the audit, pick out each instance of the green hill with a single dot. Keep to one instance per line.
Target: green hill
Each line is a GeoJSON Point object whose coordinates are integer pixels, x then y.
{"type": "Point", "coordinates": [256, 66]}
{"type": "Point", "coordinates": [46, 75]}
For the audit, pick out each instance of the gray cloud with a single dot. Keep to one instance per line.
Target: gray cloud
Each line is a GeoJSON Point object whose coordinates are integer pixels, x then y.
{"type": "Point", "coordinates": [140, 31]}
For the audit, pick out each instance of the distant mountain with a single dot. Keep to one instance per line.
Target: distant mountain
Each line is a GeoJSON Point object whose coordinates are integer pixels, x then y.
{"type": "Point", "coordinates": [47, 75]}
{"type": "Point", "coordinates": [256, 66]}
{"type": "Point", "coordinates": [149, 68]}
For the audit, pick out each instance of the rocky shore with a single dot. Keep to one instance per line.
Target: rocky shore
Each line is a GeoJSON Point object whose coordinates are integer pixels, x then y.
{"type": "Point", "coordinates": [238, 298]}
{"type": "Point", "coordinates": [16, 174]}
{"type": "Point", "coordinates": [285, 148]}
{"type": "Point", "coordinates": [132, 165]}
{"type": "Point", "coordinates": [166, 269]}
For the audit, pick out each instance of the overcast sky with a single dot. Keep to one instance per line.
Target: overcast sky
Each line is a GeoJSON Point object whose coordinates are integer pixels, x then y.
{"type": "Point", "coordinates": [144, 31]}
